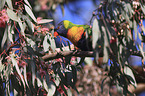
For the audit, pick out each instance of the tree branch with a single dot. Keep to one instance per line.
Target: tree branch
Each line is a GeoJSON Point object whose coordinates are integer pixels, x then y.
{"type": "Point", "coordinates": [68, 53]}
{"type": "Point", "coordinates": [77, 54]}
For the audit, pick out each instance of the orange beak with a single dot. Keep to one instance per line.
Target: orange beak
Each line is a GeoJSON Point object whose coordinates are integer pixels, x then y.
{"type": "Point", "coordinates": [55, 34]}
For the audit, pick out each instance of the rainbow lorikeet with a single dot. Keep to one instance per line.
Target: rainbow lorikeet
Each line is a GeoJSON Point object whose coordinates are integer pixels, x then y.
{"type": "Point", "coordinates": [79, 35]}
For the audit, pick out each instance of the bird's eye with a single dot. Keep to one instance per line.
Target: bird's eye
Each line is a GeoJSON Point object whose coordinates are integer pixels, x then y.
{"type": "Point", "coordinates": [58, 27]}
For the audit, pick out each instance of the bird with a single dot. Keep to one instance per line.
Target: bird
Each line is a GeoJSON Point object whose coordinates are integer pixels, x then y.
{"type": "Point", "coordinates": [79, 35]}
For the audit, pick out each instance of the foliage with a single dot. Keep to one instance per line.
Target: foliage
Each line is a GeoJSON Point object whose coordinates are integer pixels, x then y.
{"type": "Point", "coordinates": [25, 40]}
{"type": "Point", "coordinates": [118, 29]}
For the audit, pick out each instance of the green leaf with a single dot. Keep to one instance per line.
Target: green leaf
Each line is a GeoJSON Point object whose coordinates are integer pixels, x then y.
{"type": "Point", "coordinates": [9, 2]}
{"type": "Point", "coordinates": [106, 37]}
{"type": "Point", "coordinates": [129, 72]}
{"type": "Point", "coordinates": [26, 1]}
{"type": "Point", "coordinates": [2, 3]}
{"type": "Point", "coordinates": [142, 52]}
{"type": "Point", "coordinates": [63, 79]}
{"type": "Point", "coordinates": [69, 45]}
{"type": "Point", "coordinates": [4, 37]}
{"type": "Point", "coordinates": [135, 28]}
{"type": "Point", "coordinates": [39, 82]}
{"type": "Point", "coordinates": [69, 77]}
{"type": "Point", "coordinates": [89, 61]}
{"type": "Point", "coordinates": [22, 27]}
{"type": "Point", "coordinates": [111, 29]}
{"type": "Point", "coordinates": [10, 36]}
{"type": "Point", "coordinates": [31, 42]}
{"type": "Point", "coordinates": [28, 22]}
{"type": "Point", "coordinates": [81, 60]}
{"type": "Point", "coordinates": [124, 14]}
{"type": "Point", "coordinates": [140, 37]}
{"type": "Point", "coordinates": [51, 89]}
{"type": "Point", "coordinates": [52, 42]}
{"type": "Point", "coordinates": [143, 8]}
{"type": "Point", "coordinates": [8, 70]}
{"type": "Point", "coordinates": [67, 60]}
{"type": "Point", "coordinates": [57, 80]}
{"type": "Point", "coordinates": [12, 15]}
{"type": "Point", "coordinates": [47, 79]}
{"type": "Point", "coordinates": [45, 85]}
{"type": "Point", "coordinates": [95, 33]}
{"type": "Point", "coordinates": [29, 50]}
{"type": "Point", "coordinates": [14, 61]}
{"type": "Point", "coordinates": [143, 29]}
{"type": "Point", "coordinates": [1, 66]}
{"type": "Point", "coordinates": [29, 11]}
{"type": "Point", "coordinates": [69, 92]}
{"type": "Point", "coordinates": [64, 89]}
{"type": "Point", "coordinates": [33, 72]}
{"type": "Point", "coordinates": [46, 45]}
{"type": "Point", "coordinates": [130, 10]}
{"type": "Point", "coordinates": [25, 76]}
{"type": "Point", "coordinates": [62, 9]}
{"type": "Point", "coordinates": [42, 21]}
{"type": "Point", "coordinates": [102, 84]}
{"type": "Point", "coordinates": [15, 84]}
{"type": "Point", "coordinates": [129, 34]}
{"type": "Point", "coordinates": [74, 74]}
{"type": "Point", "coordinates": [106, 55]}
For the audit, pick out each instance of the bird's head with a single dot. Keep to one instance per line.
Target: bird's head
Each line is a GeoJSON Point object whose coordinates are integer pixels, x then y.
{"type": "Point", "coordinates": [62, 28]}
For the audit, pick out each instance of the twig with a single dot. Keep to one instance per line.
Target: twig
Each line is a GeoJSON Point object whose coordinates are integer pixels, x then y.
{"type": "Point", "coordinates": [137, 53]}
{"type": "Point", "coordinates": [140, 88]}
{"type": "Point", "coordinates": [68, 53]}
{"type": "Point", "coordinates": [77, 54]}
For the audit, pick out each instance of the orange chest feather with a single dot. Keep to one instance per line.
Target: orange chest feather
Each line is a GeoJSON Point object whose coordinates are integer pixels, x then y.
{"type": "Point", "coordinates": [74, 34]}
